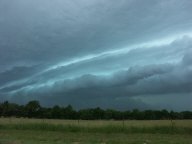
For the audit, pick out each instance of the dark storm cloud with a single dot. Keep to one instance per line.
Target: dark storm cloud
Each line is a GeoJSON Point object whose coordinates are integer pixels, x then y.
{"type": "Point", "coordinates": [118, 90]}
{"type": "Point", "coordinates": [47, 31]}
{"type": "Point", "coordinates": [17, 73]}
{"type": "Point", "coordinates": [95, 53]}
{"type": "Point", "coordinates": [102, 64]}
{"type": "Point", "coordinates": [151, 79]}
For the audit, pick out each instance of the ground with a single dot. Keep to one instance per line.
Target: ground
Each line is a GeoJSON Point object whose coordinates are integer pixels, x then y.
{"type": "Point", "coordinates": [30, 131]}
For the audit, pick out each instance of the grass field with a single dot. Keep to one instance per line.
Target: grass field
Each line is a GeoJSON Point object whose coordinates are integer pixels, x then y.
{"type": "Point", "coordinates": [43, 131]}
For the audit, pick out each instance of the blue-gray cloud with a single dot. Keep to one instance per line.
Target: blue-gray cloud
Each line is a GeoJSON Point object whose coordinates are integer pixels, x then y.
{"type": "Point", "coordinates": [95, 53]}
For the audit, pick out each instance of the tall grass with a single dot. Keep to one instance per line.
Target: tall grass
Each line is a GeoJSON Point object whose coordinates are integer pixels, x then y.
{"type": "Point", "coordinates": [98, 129]}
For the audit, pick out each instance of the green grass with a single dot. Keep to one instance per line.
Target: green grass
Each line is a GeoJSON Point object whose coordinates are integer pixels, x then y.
{"type": "Point", "coordinates": [36, 131]}
{"type": "Point", "coordinates": [97, 129]}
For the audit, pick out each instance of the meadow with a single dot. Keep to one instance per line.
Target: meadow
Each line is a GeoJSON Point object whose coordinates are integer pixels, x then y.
{"type": "Point", "coordinates": [48, 131]}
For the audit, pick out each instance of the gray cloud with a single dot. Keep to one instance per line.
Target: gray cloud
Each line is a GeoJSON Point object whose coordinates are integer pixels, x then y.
{"type": "Point", "coordinates": [118, 90]}
{"type": "Point", "coordinates": [47, 31]}
{"type": "Point", "coordinates": [99, 52]}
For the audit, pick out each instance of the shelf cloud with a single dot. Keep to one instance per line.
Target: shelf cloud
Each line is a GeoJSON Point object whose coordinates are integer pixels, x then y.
{"type": "Point", "coordinates": [113, 54]}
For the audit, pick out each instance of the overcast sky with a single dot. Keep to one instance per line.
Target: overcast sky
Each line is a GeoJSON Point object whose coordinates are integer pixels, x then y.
{"type": "Point", "coordinates": [121, 54]}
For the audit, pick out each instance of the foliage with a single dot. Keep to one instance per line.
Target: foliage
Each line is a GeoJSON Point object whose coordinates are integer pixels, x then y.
{"type": "Point", "coordinates": [33, 109]}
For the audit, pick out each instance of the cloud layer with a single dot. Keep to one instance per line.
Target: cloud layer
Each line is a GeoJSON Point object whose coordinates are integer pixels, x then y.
{"type": "Point", "coordinates": [126, 54]}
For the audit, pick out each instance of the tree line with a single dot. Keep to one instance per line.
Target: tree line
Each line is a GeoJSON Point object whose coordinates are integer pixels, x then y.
{"type": "Point", "coordinates": [33, 109]}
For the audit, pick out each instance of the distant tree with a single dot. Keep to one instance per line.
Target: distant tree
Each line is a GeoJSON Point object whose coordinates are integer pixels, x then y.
{"type": "Point", "coordinates": [5, 108]}
{"type": "Point", "coordinates": [165, 114]}
{"type": "Point", "coordinates": [56, 112]}
{"type": "Point", "coordinates": [86, 114]}
{"type": "Point", "coordinates": [149, 114]}
{"type": "Point", "coordinates": [127, 115]}
{"type": "Point", "coordinates": [70, 113]}
{"type": "Point", "coordinates": [109, 114]}
{"type": "Point", "coordinates": [187, 115]}
{"type": "Point", "coordinates": [136, 114]}
{"type": "Point", "coordinates": [98, 113]}
{"type": "Point", "coordinates": [9, 109]}
{"type": "Point", "coordinates": [33, 108]}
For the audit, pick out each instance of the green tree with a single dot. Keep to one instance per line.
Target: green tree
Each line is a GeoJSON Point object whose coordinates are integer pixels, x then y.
{"type": "Point", "coordinates": [33, 108]}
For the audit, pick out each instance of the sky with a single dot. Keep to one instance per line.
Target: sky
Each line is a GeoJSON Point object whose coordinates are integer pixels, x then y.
{"type": "Point", "coordinates": [121, 54]}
